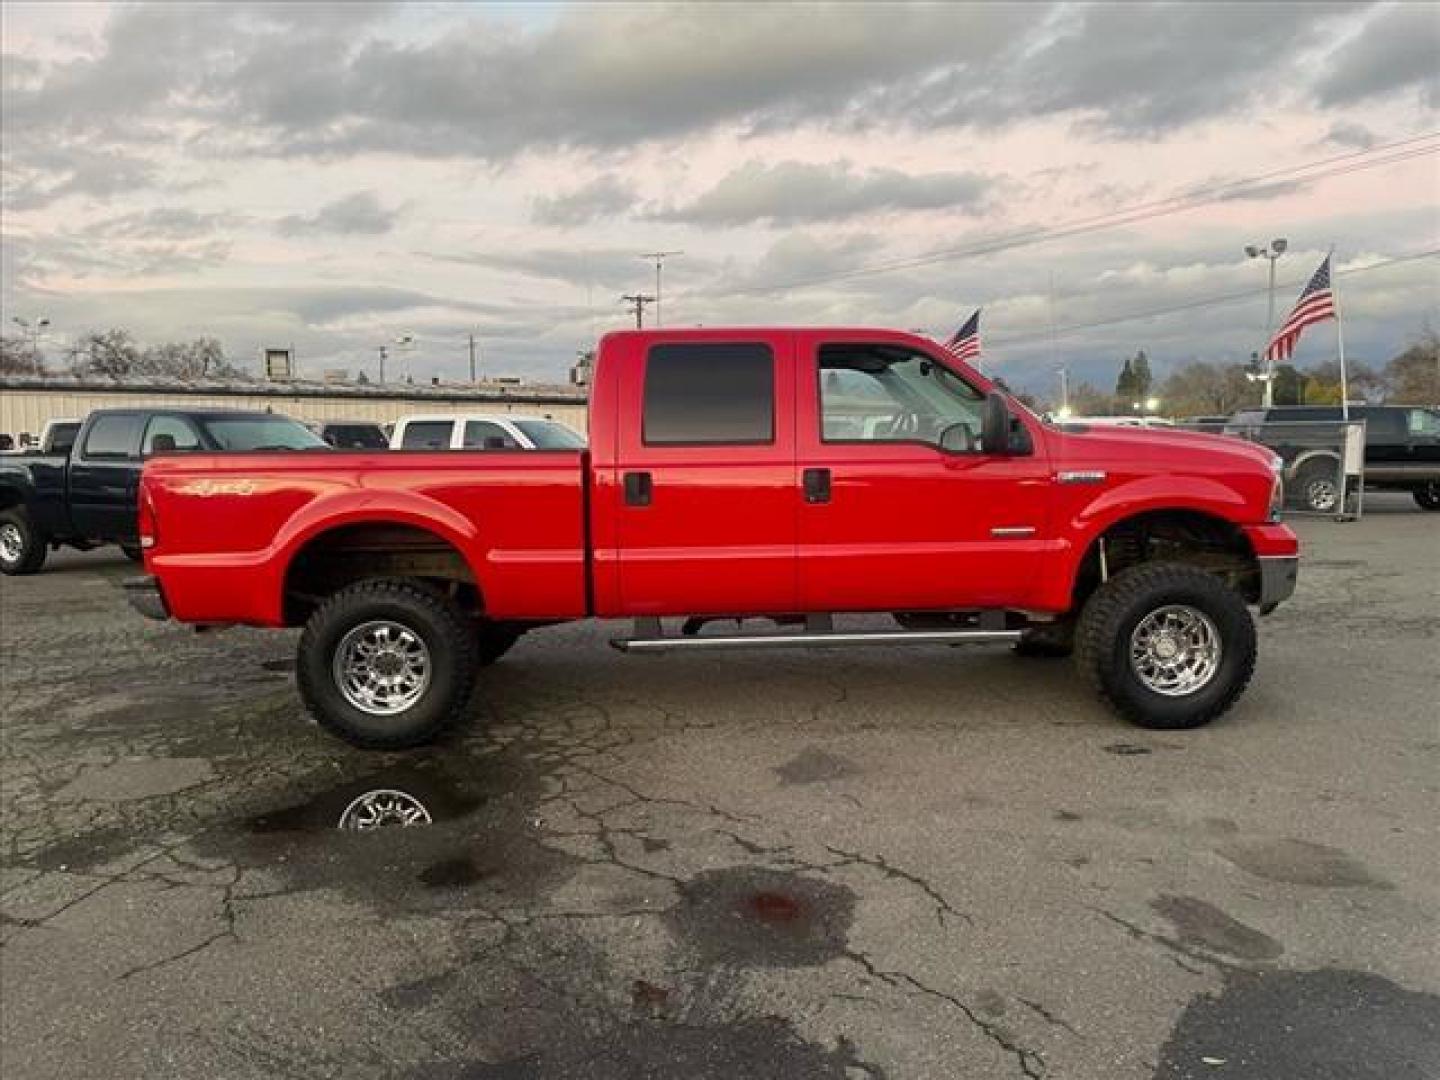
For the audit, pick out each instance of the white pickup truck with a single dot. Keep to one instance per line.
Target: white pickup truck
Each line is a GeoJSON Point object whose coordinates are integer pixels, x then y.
{"type": "Point", "coordinates": [477, 431]}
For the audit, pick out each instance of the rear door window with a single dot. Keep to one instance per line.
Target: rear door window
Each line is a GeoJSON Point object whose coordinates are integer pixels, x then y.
{"type": "Point", "coordinates": [709, 394]}
{"type": "Point", "coordinates": [481, 435]}
{"type": "Point", "coordinates": [115, 436]}
{"type": "Point", "coordinates": [427, 435]}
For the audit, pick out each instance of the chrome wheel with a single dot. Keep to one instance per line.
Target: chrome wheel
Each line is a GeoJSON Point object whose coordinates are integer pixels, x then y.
{"type": "Point", "coordinates": [1175, 650]}
{"type": "Point", "coordinates": [382, 668]}
{"type": "Point", "coordinates": [383, 807]}
{"type": "Point", "coordinates": [1322, 495]}
{"type": "Point", "coordinates": [12, 542]}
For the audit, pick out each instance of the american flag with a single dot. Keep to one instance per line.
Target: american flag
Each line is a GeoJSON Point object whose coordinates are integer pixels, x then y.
{"type": "Point", "coordinates": [1316, 304]}
{"type": "Point", "coordinates": [965, 345]}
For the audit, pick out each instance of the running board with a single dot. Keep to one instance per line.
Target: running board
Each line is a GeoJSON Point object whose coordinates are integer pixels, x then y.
{"type": "Point", "coordinates": [823, 640]}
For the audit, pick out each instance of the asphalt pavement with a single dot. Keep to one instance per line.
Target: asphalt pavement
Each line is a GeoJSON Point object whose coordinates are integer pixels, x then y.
{"type": "Point", "coordinates": [893, 863]}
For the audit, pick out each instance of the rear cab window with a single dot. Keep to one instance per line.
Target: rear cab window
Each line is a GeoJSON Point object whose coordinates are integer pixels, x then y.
{"type": "Point", "coordinates": [488, 435]}
{"type": "Point", "coordinates": [427, 435]}
{"type": "Point", "coordinates": [169, 434]}
{"type": "Point", "coordinates": [709, 394]}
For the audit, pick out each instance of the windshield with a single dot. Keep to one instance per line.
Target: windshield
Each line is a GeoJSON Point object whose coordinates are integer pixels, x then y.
{"type": "Point", "coordinates": [260, 433]}
{"type": "Point", "coordinates": [548, 435]}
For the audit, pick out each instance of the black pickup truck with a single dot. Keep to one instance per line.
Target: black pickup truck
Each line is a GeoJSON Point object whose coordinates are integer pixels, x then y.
{"type": "Point", "coordinates": [87, 496]}
{"type": "Point", "coordinates": [1402, 450]}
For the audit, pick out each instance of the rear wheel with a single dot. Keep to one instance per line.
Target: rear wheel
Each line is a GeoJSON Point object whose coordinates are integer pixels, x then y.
{"type": "Point", "coordinates": [1428, 497]}
{"type": "Point", "coordinates": [1317, 486]}
{"type": "Point", "coordinates": [22, 545]}
{"type": "Point", "coordinates": [1169, 645]}
{"type": "Point", "coordinates": [387, 663]}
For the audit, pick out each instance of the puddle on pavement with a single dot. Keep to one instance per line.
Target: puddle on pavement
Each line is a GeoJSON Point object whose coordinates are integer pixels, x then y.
{"type": "Point", "coordinates": [751, 917]}
{"type": "Point", "coordinates": [1328, 1024]}
{"type": "Point", "coordinates": [478, 836]}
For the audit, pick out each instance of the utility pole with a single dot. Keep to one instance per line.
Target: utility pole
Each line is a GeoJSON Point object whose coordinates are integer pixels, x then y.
{"type": "Point", "coordinates": [383, 351]}
{"type": "Point", "coordinates": [639, 300]}
{"type": "Point", "coordinates": [659, 257]}
{"type": "Point", "coordinates": [472, 358]}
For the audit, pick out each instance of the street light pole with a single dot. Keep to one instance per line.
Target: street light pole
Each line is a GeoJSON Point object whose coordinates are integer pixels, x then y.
{"type": "Point", "coordinates": [659, 257]}
{"type": "Point", "coordinates": [1271, 253]}
{"type": "Point", "coordinates": [383, 350]}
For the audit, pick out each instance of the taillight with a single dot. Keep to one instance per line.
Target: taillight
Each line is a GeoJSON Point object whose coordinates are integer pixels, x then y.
{"type": "Point", "coordinates": [149, 527]}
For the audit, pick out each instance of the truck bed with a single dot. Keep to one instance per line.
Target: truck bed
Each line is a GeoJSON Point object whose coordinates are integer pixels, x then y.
{"type": "Point", "coordinates": [230, 524]}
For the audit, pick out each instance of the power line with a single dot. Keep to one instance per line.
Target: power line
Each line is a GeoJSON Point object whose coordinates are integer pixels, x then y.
{"type": "Point", "coordinates": [1191, 305]}
{"type": "Point", "coordinates": [1343, 164]}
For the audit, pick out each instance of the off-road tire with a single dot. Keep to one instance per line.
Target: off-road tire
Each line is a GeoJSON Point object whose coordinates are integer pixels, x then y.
{"type": "Point", "coordinates": [1109, 618]}
{"type": "Point", "coordinates": [34, 545]}
{"type": "Point", "coordinates": [430, 615]}
{"type": "Point", "coordinates": [1428, 497]}
{"type": "Point", "coordinates": [1309, 497]}
{"type": "Point", "coordinates": [493, 640]}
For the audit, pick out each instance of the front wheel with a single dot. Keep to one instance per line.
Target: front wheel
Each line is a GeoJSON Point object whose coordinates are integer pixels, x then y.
{"type": "Point", "coordinates": [1428, 497]}
{"type": "Point", "coordinates": [22, 546]}
{"type": "Point", "coordinates": [387, 663]}
{"type": "Point", "coordinates": [1169, 645]}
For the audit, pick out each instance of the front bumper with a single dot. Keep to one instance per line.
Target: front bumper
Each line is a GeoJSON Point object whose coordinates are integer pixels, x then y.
{"type": "Point", "coordinates": [144, 595]}
{"type": "Point", "coordinates": [1277, 580]}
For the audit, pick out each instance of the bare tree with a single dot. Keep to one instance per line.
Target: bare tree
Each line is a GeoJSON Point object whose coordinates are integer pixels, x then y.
{"type": "Point", "coordinates": [19, 356]}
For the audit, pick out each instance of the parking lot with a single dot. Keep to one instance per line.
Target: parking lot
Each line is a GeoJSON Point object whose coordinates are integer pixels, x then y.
{"type": "Point", "coordinates": [881, 863]}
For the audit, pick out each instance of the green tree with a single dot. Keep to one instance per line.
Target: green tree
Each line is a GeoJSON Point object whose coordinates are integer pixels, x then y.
{"type": "Point", "coordinates": [1289, 385]}
{"type": "Point", "coordinates": [1124, 388]}
{"type": "Point", "coordinates": [1140, 373]}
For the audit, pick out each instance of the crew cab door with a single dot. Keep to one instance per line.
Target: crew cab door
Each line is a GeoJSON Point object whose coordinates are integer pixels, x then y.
{"type": "Point", "coordinates": [105, 478]}
{"type": "Point", "coordinates": [899, 507]}
{"type": "Point", "coordinates": [703, 491]}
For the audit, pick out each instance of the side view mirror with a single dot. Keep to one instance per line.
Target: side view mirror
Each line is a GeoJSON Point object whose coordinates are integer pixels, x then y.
{"type": "Point", "coordinates": [995, 425]}
{"type": "Point", "coordinates": [958, 439]}
{"type": "Point", "coordinates": [1001, 432]}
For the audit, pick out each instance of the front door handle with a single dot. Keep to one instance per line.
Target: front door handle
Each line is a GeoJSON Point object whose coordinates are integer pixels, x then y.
{"type": "Point", "coordinates": [638, 489]}
{"type": "Point", "coordinates": [817, 485]}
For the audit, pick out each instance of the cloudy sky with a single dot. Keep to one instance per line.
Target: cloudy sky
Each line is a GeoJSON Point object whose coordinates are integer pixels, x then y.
{"type": "Point", "coordinates": [337, 176]}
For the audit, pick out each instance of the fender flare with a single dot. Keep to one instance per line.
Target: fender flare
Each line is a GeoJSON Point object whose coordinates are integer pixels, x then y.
{"type": "Point", "coordinates": [1146, 495]}
{"type": "Point", "coordinates": [344, 510]}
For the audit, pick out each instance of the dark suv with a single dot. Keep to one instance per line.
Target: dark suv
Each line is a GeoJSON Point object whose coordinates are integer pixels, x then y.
{"type": "Point", "coordinates": [1402, 450]}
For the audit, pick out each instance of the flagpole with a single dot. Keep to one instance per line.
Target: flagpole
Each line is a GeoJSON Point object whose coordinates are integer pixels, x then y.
{"type": "Point", "coordinates": [1339, 341]}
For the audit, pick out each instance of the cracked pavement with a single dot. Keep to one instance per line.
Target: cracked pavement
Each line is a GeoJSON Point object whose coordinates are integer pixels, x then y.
{"type": "Point", "coordinates": [881, 863]}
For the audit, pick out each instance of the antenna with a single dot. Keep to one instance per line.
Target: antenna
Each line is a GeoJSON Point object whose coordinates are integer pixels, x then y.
{"type": "Point", "coordinates": [659, 257]}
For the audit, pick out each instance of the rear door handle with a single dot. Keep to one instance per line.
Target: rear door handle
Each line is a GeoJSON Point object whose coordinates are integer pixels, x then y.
{"type": "Point", "coordinates": [638, 489]}
{"type": "Point", "coordinates": [817, 485]}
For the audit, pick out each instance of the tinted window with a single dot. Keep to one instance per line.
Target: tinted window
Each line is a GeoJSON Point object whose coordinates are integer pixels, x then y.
{"type": "Point", "coordinates": [477, 432]}
{"type": "Point", "coordinates": [113, 436]}
{"type": "Point", "coordinates": [261, 433]}
{"type": "Point", "coordinates": [62, 437]}
{"type": "Point", "coordinates": [721, 393]}
{"type": "Point", "coordinates": [1423, 421]}
{"type": "Point", "coordinates": [356, 436]}
{"type": "Point", "coordinates": [1381, 421]}
{"type": "Point", "coordinates": [427, 435]}
{"type": "Point", "coordinates": [548, 435]}
{"type": "Point", "coordinates": [172, 432]}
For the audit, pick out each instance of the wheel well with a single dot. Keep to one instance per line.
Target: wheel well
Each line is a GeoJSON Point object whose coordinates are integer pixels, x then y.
{"type": "Point", "coordinates": [1183, 536]}
{"type": "Point", "coordinates": [342, 556]}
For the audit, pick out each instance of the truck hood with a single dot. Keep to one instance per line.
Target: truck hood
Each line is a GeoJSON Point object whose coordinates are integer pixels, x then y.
{"type": "Point", "coordinates": [1140, 444]}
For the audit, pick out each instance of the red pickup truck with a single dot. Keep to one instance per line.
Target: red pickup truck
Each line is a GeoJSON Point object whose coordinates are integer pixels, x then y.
{"type": "Point", "coordinates": [795, 476]}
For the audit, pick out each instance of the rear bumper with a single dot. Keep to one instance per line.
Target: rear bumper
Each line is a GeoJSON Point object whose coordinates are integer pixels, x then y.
{"type": "Point", "coordinates": [1278, 574]}
{"type": "Point", "coordinates": [144, 595]}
